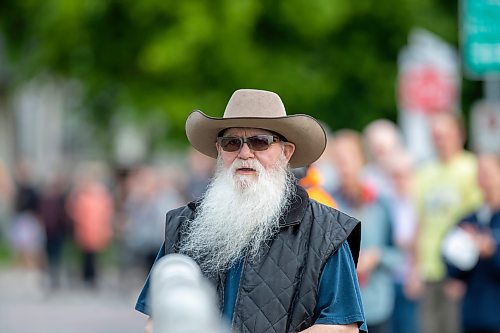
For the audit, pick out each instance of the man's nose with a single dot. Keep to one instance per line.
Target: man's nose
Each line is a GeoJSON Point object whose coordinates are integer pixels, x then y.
{"type": "Point", "coordinates": [245, 152]}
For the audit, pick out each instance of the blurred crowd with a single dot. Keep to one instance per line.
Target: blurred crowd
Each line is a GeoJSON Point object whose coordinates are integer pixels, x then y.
{"type": "Point", "coordinates": [80, 213]}
{"type": "Point", "coordinates": [408, 210]}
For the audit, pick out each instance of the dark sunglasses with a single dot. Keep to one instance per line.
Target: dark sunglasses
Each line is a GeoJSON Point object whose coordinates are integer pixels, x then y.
{"type": "Point", "coordinates": [256, 142]}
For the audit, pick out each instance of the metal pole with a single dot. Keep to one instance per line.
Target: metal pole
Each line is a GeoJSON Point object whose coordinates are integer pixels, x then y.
{"type": "Point", "coordinates": [492, 89]}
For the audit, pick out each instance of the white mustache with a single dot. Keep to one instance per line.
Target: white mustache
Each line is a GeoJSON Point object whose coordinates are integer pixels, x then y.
{"type": "Point", "coordinates": [249, 164]}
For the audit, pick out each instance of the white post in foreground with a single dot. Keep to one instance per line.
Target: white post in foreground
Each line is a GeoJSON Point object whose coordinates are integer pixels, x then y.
{"type": "Point", "coordinates": [182, 300]}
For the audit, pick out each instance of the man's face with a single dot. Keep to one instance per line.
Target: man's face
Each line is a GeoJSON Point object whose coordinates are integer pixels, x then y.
{"type": "Point", "coordinates": [382, 143]}
{"type": "Point", "coordinates": [445, 134]}
{"type": "Point", "coordinates": [348, 159]}
{"type": "Point", "coordinates": [267, 158]}
{"type": "Point", "coordinates": [241, 208]}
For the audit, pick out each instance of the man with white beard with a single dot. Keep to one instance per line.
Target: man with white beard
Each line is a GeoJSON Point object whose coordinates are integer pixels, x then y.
{"type": "Point", "coordinates": [280, 261]}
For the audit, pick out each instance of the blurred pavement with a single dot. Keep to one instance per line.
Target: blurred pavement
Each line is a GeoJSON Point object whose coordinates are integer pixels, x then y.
{"type": "Point", "coordinates": [26, 308]}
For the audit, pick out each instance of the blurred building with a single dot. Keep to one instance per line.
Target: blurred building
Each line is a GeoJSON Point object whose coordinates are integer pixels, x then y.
{"type": "Point", "coordinates": [40, 123]}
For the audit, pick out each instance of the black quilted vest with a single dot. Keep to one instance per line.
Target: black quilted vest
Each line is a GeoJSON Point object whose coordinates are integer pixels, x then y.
{"type": "Point", "coordinates": [278, 292]}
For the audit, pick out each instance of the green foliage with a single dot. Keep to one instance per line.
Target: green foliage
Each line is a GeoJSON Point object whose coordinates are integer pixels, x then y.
{"type": "Point", "coordinates": [335, 60]}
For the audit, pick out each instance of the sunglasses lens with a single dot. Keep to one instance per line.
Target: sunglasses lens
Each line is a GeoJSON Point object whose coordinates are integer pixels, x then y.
{"type": "Point", "coordinates": [230, 143]}
{"type": "Point", "coordinates": [258, 143]}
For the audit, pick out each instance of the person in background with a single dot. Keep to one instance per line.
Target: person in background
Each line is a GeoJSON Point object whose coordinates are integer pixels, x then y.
{"type": "Point", "coordinates": [56, 225]}
{"type": "Point", "coordinates": [390, 170]}
{"type": "Point", "coordinates": [26, 233]}
{"type": "Point", "coordinates": [279, 261]}
{"type": "Point", "coordinates": [6, 198]}
{"type": "Point", "coordinates": [382, 140]}
{"type": "Point", "coordinates": [404, 216]}
{"type": "Point", "coordinates": [481, 303]}
{"type": "Point", "coordinates": [445, 190]}
{"type": "Point", "coordinates": [378, 258]}
{"type": "Point", "coordinates": [149, 194]}
{"type": "Point", "coordinates": [91, 208]}
{"type": "Point", "coordinates": [310, 179]}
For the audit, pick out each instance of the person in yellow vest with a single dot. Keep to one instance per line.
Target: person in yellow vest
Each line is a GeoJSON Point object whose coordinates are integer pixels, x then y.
{"type": "Point", "coordinates": [310, 178]}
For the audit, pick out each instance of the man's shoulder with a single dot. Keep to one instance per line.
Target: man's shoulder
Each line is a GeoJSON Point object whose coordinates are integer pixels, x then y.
{"type": "Point", "coordinates": [182, 211]}
{"type": "Point", "coordinates": [173, 225]}
{"type": "Point", "coordinates": [337, 226]}
{"type": "Point", "coordinates": [331, 220]}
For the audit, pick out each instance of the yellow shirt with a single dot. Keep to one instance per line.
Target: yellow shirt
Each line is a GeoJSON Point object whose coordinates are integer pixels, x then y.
{"type": "Point", "coordinates": [445, 192]}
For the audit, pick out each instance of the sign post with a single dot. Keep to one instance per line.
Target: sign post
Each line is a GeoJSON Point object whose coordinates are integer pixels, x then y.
{"type": "Point", "coordinates": [428, 83]}
{"type": "Point", "coordinates": [480, 33]}
{"type": "Point", "coordinates": [485, 125]}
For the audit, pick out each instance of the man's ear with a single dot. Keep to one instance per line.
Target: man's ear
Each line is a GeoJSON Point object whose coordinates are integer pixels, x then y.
{"type": "Point", "coordinates": [288, 150]}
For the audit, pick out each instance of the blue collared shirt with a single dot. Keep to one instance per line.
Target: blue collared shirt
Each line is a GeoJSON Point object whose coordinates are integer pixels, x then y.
{"type": "Point", "coordinates": [339, 299]}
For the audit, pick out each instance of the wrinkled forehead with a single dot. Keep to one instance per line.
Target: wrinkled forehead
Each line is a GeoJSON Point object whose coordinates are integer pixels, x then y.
{"type": "Point", "coordinates": [244, 131]}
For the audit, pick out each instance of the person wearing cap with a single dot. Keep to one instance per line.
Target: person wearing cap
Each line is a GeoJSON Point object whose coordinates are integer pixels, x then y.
{"type": "Point", "coordinates": [280, 261]}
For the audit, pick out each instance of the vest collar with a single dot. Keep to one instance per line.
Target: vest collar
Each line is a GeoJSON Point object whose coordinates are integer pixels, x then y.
{"type": "Point", "coordinates": [297, 208]}
{"type": "Point", "coordinates": [293, 214]}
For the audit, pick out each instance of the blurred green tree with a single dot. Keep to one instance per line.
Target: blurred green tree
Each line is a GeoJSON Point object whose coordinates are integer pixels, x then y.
{"type": "Point", "coordinates": [335, 60]}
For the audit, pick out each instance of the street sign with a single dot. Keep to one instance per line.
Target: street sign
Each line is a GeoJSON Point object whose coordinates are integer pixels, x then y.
{"type": "Point", "coordinates": [428, 82]}
{"type": "Point", "coordinates": [481, 38]}
{"type": "Point", "coordinates": [427, 89]}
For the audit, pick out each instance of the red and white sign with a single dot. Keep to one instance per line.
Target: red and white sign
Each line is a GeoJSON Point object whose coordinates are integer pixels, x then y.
{"type": "Point", "coordinates": [428, 82]}
{"type": "Point", "coordinates": [427, 89]}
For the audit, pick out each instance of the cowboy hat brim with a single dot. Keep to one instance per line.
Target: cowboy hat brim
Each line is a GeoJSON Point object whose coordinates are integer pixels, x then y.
{"type": "Point", "coordinates": [303, 131]}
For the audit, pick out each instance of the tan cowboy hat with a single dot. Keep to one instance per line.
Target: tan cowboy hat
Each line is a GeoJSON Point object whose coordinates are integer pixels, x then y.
{"type": "Point", "coordinates": [259, 109]}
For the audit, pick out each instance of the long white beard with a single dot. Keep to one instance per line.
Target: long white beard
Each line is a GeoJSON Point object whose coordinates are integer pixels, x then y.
{"type": "Point", "coordinates": [238, 214]}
